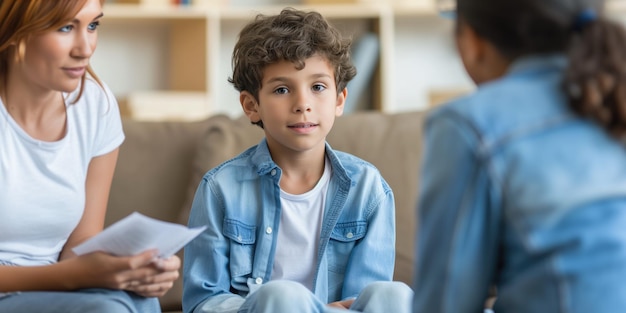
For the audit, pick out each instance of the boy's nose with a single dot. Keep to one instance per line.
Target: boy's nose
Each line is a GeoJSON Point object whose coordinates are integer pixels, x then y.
{"type": "Point", "coordinates": [302, 103]}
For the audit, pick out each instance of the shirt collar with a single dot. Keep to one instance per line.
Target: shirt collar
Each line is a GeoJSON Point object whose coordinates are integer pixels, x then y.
{"type": "Point", "coordinates": [538, 63]}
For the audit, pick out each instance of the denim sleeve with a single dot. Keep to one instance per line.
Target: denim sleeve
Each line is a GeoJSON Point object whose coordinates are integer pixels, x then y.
{"type": "Point", "coordinates": [372, 258]}
{"type": "Point", "coordinates": [206, 279]}
{"type": "Point", "coordinates": [458, 226]}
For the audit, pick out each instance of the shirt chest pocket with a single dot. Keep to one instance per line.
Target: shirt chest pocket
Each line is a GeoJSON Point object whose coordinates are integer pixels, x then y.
{"type": "Point", "coordinates": [242, 239]}
{"type": "Point", "coordinates": [342, 240]}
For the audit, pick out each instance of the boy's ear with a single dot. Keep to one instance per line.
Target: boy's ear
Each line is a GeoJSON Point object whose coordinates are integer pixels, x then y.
{"type": "Point", "coordinates": [249, 106]}
{"type": "Point", "coordinates": [341, 101]}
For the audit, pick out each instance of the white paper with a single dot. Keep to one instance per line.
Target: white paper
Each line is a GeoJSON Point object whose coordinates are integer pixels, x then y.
{"type": "Point", "coordinates": [137, 233]}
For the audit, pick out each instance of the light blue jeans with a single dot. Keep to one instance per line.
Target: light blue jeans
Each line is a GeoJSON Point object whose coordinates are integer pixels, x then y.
{"type": "Point", "coordinates": [287, 297]}
{"type": "Point", "coordinates": [81, 301]}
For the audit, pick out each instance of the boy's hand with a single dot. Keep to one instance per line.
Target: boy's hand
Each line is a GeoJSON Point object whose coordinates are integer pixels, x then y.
{"type": "Point", "coordinates": [345, 304]}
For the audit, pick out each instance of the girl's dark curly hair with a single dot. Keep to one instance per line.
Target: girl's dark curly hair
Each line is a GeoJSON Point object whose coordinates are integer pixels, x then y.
{"type": "Point", "coordinates": [595, 80]}
{"type": "Point", "coordinates": [292, 36]}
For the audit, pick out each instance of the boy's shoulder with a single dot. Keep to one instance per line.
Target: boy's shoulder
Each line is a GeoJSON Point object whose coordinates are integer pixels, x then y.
{"type": "Point", "coordinates": [347, 158]}
{"type": "Point", "coordinates": [239, 164]}
{"type": "Point", "coordinates": [354, 166]}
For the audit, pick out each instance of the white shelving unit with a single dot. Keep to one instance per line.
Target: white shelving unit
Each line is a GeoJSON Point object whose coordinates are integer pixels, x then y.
{"type": "Point", "coordinates": [192, 48]}
{"type": "Point", "coordinates": [179, 56]}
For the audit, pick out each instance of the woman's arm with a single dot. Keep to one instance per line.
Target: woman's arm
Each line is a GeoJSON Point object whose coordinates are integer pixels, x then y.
{"type": "Point", "coordinates": [97, 188]}
{"type": "Point", "coordinates": [147, 279]}
{"type": "Point", "coordinates": [140, 273]}
{"type": "Point", "coordinates": [59, 276]}
{"type": "Point", "coordinates": [87, 271]}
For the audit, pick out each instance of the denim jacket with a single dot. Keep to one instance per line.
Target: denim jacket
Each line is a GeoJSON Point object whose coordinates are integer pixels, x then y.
{"type": "Point", "coordinates": [239, 201]}
{"type": "Point", "coordinates": [520, 193]}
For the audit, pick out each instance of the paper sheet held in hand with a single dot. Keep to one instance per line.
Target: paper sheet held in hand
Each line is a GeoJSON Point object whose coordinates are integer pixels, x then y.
{"type": "Point", "coordinates": [137, 233]}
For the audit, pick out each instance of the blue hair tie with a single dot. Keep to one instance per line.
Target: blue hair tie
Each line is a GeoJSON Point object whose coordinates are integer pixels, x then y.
{"type": "Point", "coordinates": [583, 19]}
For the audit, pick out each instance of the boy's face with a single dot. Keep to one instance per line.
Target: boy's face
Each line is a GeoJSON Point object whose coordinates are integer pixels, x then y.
{"type": "Point", "coordinates": [297, 107]}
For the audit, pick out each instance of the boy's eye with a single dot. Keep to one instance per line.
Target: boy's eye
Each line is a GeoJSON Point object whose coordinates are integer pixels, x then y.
{"type": "Point", "coordinates": [319, 87]}
{"type": "Point", "coordinates": [93, 26]}
{"type": "Point", "coordinates": [281, 90]}
{"type": "Point", "coordinates": [66, 28]}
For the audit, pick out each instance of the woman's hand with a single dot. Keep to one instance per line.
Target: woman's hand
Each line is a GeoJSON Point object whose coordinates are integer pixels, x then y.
{"type": "Point", "coordinates": [160, 283]}
{"type": "Point", "coordinates": [345, 304]}
{"type": "Point", "coordinates": [143, 274]}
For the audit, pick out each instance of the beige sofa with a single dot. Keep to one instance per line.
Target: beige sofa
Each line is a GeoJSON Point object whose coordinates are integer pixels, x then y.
{"type": "Point", "coordinates": [161, 163]}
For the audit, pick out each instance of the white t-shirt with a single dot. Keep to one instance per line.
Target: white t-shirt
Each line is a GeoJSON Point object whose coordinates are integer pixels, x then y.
{"type": "Point", "coordinates": [299, 232]}
{"type": "Point", "coordinates": [42, 184]}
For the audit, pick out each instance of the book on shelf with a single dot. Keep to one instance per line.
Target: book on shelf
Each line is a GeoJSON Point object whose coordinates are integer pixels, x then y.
{"type": "Point", "coordinates": [365, 55]}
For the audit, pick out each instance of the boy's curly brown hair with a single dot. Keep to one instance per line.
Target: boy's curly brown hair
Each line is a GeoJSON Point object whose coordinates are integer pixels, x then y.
{"type": "Point", "coordinates": [293, 36]}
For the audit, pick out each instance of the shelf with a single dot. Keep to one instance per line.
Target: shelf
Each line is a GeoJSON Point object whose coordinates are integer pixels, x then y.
{"type": "Point", "coordinates": [428, 8]}
{"type": "Point", "coordinates": [186, 48]}
{"type": "Point", "coordinates": [330, 11]}
{"type": "Point", "coordinates": [192, 37]}
{"type": "Point", "coordinates": [168, 105]}
{"type": "Point", "coordinates": [616, 7]}
{"type": "Point", "coordinates": [138, 11]}
{"type": "Point", "coordinates": [416, 9]}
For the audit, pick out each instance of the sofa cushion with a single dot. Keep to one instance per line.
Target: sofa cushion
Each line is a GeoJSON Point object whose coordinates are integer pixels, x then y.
{"type": "Point", "coordinates": [152, 176]}
{"type": "Point", "coordinates": [154, 162]}
{"type": "Point", "coordinates": [392, 142]}
{"type": "Point", "coordinates": [389, 141]}
{"type": "Point", "coordinates": [223, 139]}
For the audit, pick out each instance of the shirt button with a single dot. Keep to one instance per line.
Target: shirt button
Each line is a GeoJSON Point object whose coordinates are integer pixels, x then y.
{"type": "Point", "coordinates": [239, 238]}
{"type": "Point", "coordinates": [268, 230]}
{"type": "Point", "coordinates": [273, 172]}
{"type": "Point", "coordinates": [349, 235]}
{"type": "Point", "coordinates": [258, 280]}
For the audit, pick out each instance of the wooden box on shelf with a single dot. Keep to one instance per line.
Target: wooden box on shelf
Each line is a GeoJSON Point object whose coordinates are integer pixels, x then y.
{"type": "Point", "coordinates": [168, 105]}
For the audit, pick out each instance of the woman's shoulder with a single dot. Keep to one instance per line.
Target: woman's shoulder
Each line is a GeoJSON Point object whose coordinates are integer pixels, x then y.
{"type": "Point", "coordinates": [504, 107]}
{"type": "Point", "coordinates": [92, 96]}
{"type": "Point", "coordinates": [96, 88]}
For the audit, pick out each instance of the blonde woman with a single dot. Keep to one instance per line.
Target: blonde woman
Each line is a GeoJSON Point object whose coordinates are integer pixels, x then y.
{"type": "Point", "coordinates": [60, 131]}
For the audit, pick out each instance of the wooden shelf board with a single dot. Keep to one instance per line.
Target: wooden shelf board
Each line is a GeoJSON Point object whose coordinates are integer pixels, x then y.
{"type": "Point", "coordinates": [337, 11]}
{"type": "Point", "coordinates": [416, 9]}
{"type": "Point", "coordinates": [138, 11]}
{"type": "Point", "coordinates": [328, 10]}
{"type": "Point", "coordinates": [616, 7]}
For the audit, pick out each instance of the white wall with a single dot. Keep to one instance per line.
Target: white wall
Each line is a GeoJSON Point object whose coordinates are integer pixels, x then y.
{"type": "Point", "coordinates": [132, 56]}
{"type": "Point", "coordinates": [425, 59]}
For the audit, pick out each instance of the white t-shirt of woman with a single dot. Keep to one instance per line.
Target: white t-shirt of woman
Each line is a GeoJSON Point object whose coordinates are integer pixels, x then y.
{"type": "Point", "coordinates": [42, 184]}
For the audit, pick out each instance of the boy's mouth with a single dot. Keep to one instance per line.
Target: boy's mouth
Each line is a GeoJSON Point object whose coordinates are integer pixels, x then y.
{"type": "Point", "coordinates": [303, 125]}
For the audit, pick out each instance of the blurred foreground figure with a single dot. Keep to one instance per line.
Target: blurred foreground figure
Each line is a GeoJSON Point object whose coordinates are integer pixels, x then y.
{"type": "Point", "coordinates": [524, 181]}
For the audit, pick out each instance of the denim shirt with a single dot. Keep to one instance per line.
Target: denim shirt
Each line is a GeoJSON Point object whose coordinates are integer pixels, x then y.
{"type": "Point", "coordinates": [239, 201]}
{"type": "Point", "coordinates": [520, 193]}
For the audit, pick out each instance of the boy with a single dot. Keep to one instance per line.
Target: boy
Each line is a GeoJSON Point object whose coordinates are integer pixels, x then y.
{"type": "Point", "coordinates": [293, 226]}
